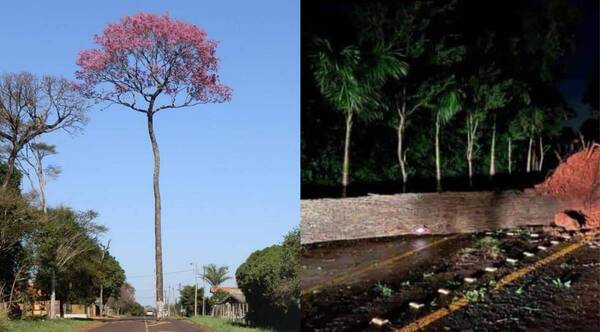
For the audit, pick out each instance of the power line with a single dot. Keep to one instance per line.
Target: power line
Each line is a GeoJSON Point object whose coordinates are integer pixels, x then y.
{"type": "Point", "coordinates": [152, 275]}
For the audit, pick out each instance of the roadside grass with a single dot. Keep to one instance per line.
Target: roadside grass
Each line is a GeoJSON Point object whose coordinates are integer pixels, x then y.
{"type": "Point", "coordinates": [222, 325]}
{"type": "Point", "coordinates": [45, 325]}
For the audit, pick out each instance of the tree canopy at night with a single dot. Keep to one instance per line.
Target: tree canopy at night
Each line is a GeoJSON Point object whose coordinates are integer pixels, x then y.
{"type": "Point", "coordinates": [480, 97]}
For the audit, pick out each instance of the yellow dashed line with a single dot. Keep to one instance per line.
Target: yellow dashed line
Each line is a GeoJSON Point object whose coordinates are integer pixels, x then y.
{"type": "Point", "coordinates": [347, 275]}
{"type": "Point", "coordinates": [454, 306]}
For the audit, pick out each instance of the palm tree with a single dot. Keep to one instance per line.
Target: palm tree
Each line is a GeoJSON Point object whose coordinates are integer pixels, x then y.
{"type": "Point", "coordinates": [350, 79]}
{"type": "Point", "coordinates": [215, 275]}
{"type": "Point", "coordinates": [448, 106]}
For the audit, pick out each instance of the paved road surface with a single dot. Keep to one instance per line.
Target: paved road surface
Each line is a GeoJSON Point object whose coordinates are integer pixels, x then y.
{"type": "Point", "coordinates": [140, 324]}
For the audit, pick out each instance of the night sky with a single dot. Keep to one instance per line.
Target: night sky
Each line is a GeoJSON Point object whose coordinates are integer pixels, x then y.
{"type": "Point", "coordinates": [578, 65]}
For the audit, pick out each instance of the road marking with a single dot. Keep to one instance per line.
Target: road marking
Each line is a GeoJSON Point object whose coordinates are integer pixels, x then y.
{"type": "Point", "coordinates": [146, 324]}
{"type": "Point", "coordinates": [378, 264]}
{"type": "Point", "coordinates": [456, 305]}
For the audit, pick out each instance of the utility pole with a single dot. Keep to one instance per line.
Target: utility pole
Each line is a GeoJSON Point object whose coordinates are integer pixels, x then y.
{"type": "Point", "coordinates": [203, 289]}
{"type": "Point", "coordinates": [104, 252]}
{"type": "Point", "coordinates": [196, 289]}
{"type": "Point", "coordinates": [165, 301]}
{"type": "Point", "coordinates": [179, 300]}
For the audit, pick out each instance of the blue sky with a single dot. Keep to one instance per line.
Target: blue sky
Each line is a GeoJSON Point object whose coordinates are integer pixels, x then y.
{"type": "Point", "coordinates": [230, 172]}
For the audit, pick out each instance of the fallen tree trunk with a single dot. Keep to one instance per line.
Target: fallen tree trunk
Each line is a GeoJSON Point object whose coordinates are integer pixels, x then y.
{"type": "Point", "coordinates": [434, 213]}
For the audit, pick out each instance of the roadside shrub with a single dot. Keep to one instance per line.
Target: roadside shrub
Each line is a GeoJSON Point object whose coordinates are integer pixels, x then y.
{"type": "Point", "coordinates": [475, 295]}
{"type": "Point", "coordinates": [269, 280]}
{"type": "Point", "coordinates": [383, 291]}
{"type": "Point", "coordinates": [491, 246]}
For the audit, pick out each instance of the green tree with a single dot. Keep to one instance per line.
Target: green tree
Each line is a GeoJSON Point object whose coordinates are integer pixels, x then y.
{"type": "Point", "coordinates": [269, 280]}
{"type": "Point", "coordinates": [62, 238]}
{"type": "Point", "coordinates": [217, 297]}
{"type": "Point", "coordinates": [15, 181]}
{"type": "Point", "coordinates": [186, 298]}
{"type": "Point", "coordinates": [406, 26]}
{"type": "Point", "coordinates": [449, 105]}
{"type": "Point", "coordinates": [528, 124]}
{"type": "Point", "coordinates": [349, 79]}
{"type": "Point", "coordinates": [124, 300]}
{"type": "Point", "coordinates": [488, 94]}
{"type": "Point", "coordinates": [33, 155]}
{"type": "Point", "coordinates": [216, 275]}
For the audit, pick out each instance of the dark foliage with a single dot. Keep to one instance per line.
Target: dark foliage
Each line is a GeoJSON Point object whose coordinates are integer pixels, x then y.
{"type": "Point", "coordinates": [269, 280]}
{"type": "Point", "coordinates": [521, 42]}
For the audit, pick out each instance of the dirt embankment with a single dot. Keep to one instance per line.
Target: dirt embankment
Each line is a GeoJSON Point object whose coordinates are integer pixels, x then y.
{"type": "Point", "coordinates": [576, 185]}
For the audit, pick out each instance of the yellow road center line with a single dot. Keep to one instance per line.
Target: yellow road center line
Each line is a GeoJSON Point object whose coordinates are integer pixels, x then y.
{"type": "Point", "coordinates": [347, 275]}
{"type": "Point", "coordinates": [456, 305]}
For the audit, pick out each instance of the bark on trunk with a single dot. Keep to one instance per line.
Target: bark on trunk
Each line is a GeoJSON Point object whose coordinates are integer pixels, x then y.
{"type": "Point", "coordinates": [438, 166]}
{"type": "Point", "coordinates": [541, 155]}
{"type": "Point", "coordinates": [401, 152]}
{"type": "Point", "coordinates": [493, 150]}
{"type": "Point", "coordinates": [53, 296]}
{"type": "Point", "coordinates": [41, 182]}
{"type": "Point", "coordinates": [528, 169]}
{"type": "Point", "coordinates": [346, 164]}
{"type": "Point", "coordinates": [472, 125]}
{"type": "Point", "coordinates": [101, 299]}
{"type": "Point", "coordinates": [157, 214]}
{"type": "Point", "coordinates": [509, 155]}
{"type": "Point", "coordinates": [14, 284]}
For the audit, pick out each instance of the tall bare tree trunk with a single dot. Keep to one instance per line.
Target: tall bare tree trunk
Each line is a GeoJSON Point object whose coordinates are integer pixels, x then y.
{"type": "Point", "coordinates": [157, 213]}
{"type": "Point", "coordinates": [401, 152]}
{"type": "Point", "coordinates": [493, 150]}
{"type": "Point", "coordinates": [541, 164]}
{"type": "Point", "coordinates": [509, 155]}
{"type": "Point", "coordinates": [346, 164]}
{"type": "Point", "coordinates": [401, 127]}
{"type": "Point", "coordinates": [39, 169]}
{"type": "Point", "coordinates": [529, 154]}
{"type": "Point", "coordinates": [438, 166]}
{"type": "Point", "coordinates": [471, 132]}
{"type": "Point", "coordinates": [53, 296]}
{"type": "Point", "coordinates": [101, 299]}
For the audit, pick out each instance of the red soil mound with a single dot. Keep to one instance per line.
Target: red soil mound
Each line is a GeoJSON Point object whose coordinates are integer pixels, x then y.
{"type": "Point", "coordinates": [576, 185]}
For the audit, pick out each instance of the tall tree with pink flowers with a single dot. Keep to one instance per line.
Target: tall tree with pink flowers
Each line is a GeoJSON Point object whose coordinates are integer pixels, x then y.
{"type": "Point", "coordinates": [152, 63]}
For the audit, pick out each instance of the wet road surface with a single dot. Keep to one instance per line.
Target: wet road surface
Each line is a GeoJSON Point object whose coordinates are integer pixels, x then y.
{"type": "Point", "coordinates": [361, 261]}
{"type": "Point", "coordinates": [142, 324]}
{"type": "Point", "coordinates": [346, 284]}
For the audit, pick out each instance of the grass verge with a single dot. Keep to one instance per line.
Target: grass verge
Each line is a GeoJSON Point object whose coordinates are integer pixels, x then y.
{"type": "Point", "coordinates": [58, 325]}
{"type": "Point", "coordinates": [222, 325]}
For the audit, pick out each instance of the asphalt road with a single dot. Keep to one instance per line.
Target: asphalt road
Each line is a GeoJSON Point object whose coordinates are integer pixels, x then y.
{"type": "Point", "coordinates": [141, 324]}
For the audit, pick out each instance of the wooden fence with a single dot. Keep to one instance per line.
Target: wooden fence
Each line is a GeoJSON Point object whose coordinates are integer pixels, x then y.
{"type": "Point", "coordinates": [229, 311]}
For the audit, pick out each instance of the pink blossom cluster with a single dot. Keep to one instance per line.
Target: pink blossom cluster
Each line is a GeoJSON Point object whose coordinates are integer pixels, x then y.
{"type": "Point", "coordinates": [149, 53]}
